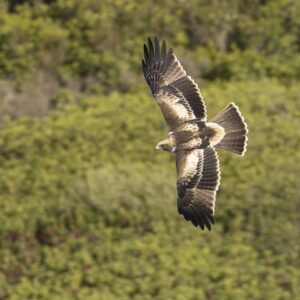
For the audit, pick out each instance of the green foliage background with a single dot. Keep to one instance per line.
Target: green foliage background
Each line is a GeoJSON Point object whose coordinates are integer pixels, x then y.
{"type": "Point", "coordinates": [88, 208]}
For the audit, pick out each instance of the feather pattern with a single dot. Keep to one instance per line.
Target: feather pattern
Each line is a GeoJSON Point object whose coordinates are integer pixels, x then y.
{"type": "Point", "coordinates": [176, 93]}
{"type": "Point", "coordinates": [197, 183]}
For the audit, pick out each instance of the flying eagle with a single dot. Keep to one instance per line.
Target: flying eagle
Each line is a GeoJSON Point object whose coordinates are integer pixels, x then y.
{"type": "Point", "coordinates": [191, 139]}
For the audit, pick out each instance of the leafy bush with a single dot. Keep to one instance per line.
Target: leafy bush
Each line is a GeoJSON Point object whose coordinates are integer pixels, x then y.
{"type": "Point", "coordinates": [88, 208]}
{"type": "Point", "coordinates": [101, 43]}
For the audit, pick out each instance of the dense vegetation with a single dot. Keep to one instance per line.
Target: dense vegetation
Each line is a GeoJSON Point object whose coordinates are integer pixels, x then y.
{"type": "Point", "coordinates": [88, 208]}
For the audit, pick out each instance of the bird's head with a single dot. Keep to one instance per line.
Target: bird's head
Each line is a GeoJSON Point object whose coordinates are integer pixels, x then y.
{"type": "Point", "coordinates": [164, 145]}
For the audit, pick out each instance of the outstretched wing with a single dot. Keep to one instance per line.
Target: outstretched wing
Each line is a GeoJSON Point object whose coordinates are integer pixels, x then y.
{"type": "Point", "coordinates": [176, 93]}
{"type": "Point", "coordinates": [198, 179]}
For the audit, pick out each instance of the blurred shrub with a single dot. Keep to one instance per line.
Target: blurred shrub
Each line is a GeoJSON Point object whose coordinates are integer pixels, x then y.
{"type": "Point", "coordinates": [103, 41]}
{"type": "Point", "coordinates": [27, 42]}
{"type": "Point", "coordinates": [88, 208]}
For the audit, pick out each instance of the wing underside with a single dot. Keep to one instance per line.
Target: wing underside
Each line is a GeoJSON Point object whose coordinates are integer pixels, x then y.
{"type": "Point", "coordinates": [198, 181]}
{"type": "Point", "coordinates": [176, 93]}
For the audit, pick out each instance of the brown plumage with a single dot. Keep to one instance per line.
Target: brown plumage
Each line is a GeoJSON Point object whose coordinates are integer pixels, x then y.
{"type": "Point", "coordinates": [191, 138]}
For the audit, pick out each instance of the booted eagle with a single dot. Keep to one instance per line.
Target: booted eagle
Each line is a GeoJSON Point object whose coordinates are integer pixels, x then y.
{"type": "Point", "coordinates": [191, 139]}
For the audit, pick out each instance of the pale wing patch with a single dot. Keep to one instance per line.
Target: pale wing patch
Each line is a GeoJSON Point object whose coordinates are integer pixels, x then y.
{"type": "Point", "coordinates": [186, 163]}
{"type": "Point", "coordinates": [173, 111]}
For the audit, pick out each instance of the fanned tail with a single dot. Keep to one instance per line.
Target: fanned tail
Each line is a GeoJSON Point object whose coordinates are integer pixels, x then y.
{"type": "Point", "coordinates": [235, 138]}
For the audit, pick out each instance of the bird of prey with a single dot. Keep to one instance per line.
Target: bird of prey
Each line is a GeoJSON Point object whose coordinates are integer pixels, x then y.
{"type": "Point", "coordinates": [191, 138]}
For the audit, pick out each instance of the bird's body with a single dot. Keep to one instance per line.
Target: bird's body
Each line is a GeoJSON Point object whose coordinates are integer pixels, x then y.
{"type": "Point", "coordinates": [192, 135]}
{"type": "Point", "coordinates": [191, 138]}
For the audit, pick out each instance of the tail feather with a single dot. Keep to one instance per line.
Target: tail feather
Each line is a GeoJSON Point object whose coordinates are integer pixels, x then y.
{"type": "Point", "coordinates": [235, 138]}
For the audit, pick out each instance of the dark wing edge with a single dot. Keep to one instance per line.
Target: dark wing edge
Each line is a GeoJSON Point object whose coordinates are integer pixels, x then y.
{"type": "Point", "coordinates": [159, 66]}
{"type": "Point", "coordinates": [196, 198]}
{"type": "Point", "coordinates": [165, 76]}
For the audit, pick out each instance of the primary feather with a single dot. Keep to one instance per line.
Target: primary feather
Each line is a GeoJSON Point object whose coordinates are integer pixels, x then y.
{"type": "Point", "coordinates": [177, 95]}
